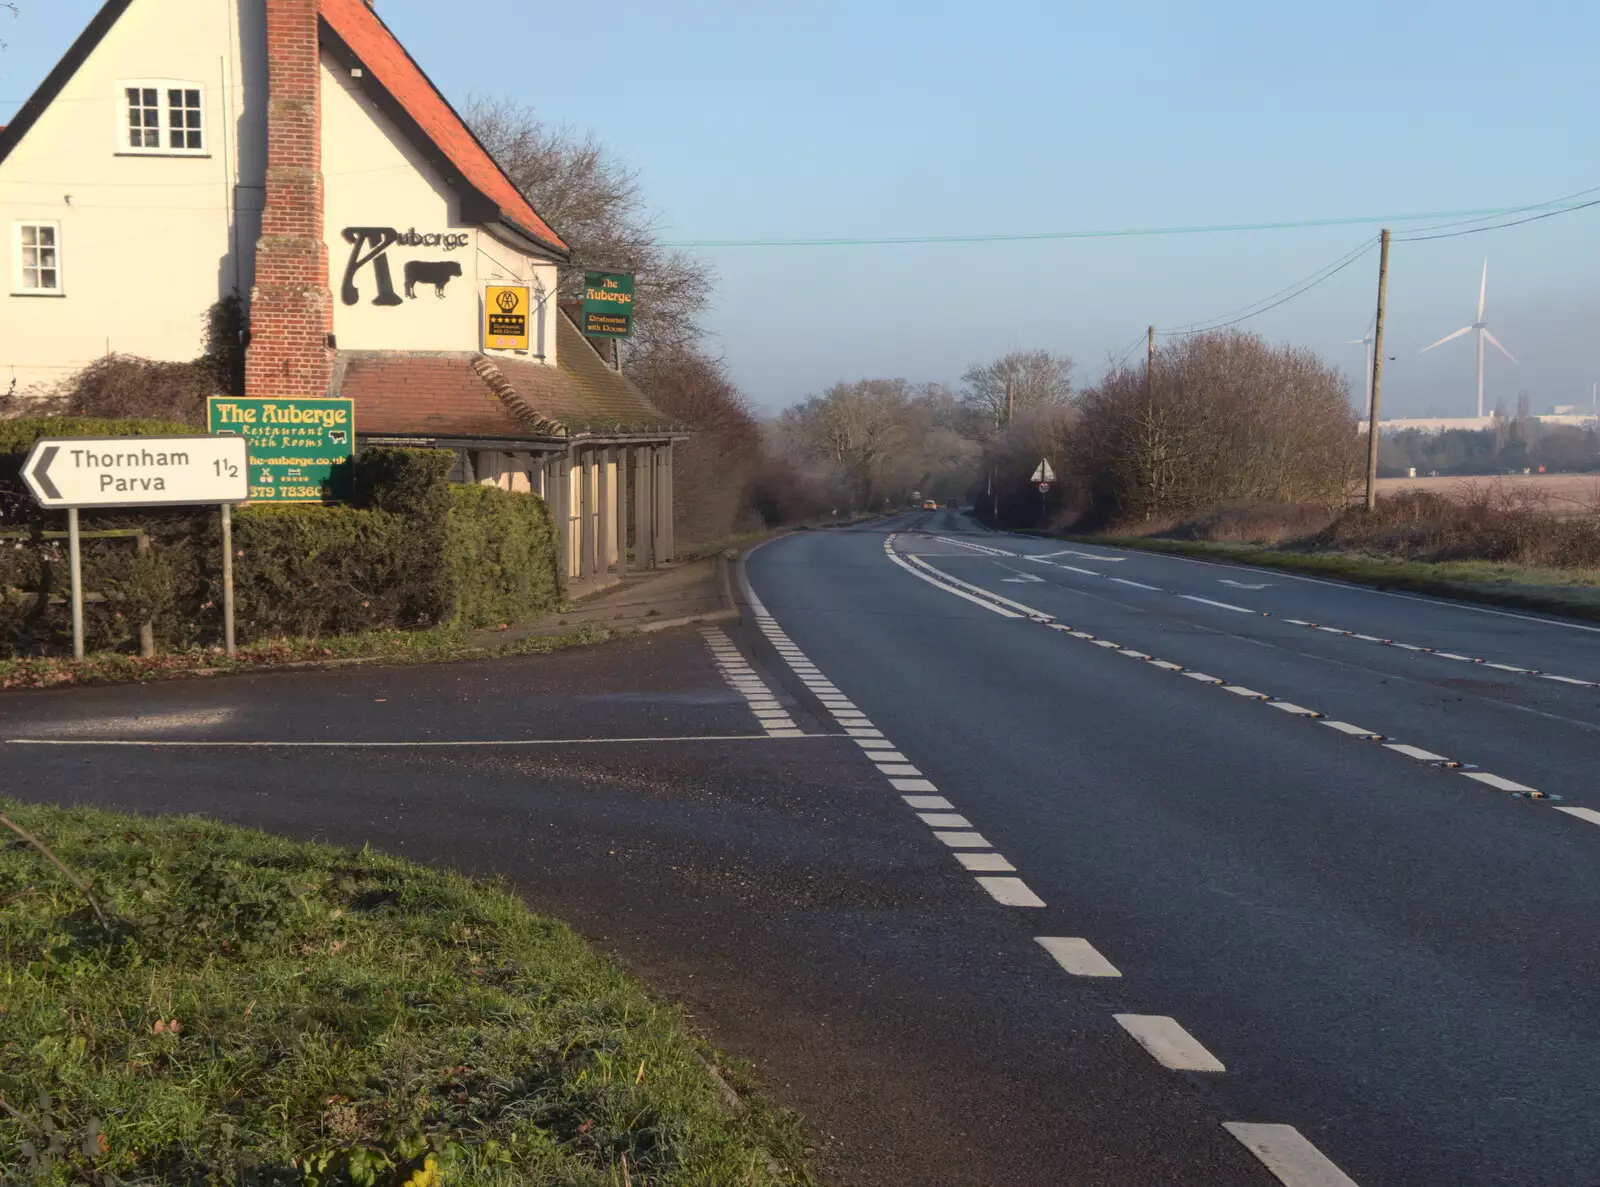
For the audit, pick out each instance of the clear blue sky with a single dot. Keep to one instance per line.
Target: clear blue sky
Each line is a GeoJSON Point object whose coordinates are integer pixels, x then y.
{"type": "Point", "coordinates": [921, 117]}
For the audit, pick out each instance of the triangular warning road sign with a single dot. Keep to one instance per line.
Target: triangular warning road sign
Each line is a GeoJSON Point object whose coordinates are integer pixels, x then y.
{"type": "Point", "coordinates": [1043, 473]}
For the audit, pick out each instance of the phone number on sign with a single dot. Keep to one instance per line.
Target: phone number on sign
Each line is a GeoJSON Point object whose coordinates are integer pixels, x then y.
{"type": "Point", "coordinates": [286, 492]}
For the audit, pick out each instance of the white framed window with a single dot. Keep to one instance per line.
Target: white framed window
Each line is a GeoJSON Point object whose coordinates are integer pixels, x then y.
{"type": "Point", "coordinates": [36, 271]}
{"type": "Point", "coordinates": [162, 118]}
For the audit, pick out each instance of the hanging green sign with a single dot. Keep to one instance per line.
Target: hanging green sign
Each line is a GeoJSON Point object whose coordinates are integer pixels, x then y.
{"type": "Point", "coordinates": [301, 451]}
{"type": "Point", "coordinates": [608, 304]}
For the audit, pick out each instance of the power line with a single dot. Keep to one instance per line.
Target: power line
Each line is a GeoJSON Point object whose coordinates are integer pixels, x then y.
{"type": "Point", "coordinates": [1272, 301]}
{"type": "Point", "coordinates": [1536, 206]}
{"type": "Point", "coordinates": [1128, 232]}
{"type": "Point", "coordinates": [1501, 226]}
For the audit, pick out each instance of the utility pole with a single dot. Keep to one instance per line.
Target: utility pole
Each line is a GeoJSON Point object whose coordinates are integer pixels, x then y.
{"type": "Point", "coordinates": [1149, 364]}
{"type": "Point", "coordinates": [1377, 373]}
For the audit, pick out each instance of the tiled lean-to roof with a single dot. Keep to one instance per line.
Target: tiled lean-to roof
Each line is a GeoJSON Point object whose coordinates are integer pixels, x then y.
{"type": "Point", "coordinates": [482, 396]}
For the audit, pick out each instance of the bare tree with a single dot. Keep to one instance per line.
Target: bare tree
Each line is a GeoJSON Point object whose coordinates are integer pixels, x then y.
{"type": "Point", "coordinates": [1224, 417]}
{"type": "Point", "coordinates": [1021, 379]}
{"type": "Point", "coordinates": [595, 204]}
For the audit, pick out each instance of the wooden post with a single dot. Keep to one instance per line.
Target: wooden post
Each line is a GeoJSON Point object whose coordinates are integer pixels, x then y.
{"type": "Point", "coordinates": [1377, 373]}
{"type": "Point", "coordinates": [585, 515]}
{"type": "Point", "coordinates": [1149, 365]}
{"type": "Point", "coordinates": [147, 630]}
{"type": "Point", "coordinates": [623, 455]}
{"type": "Point", "coordinates": [668, 549]}
{"type": "Point", "coordinates": [643, 509]}
{"type": "Point", "coordinates": [75, 567]}
{"type": "Point", "coordinates": [227, 578]}
{"type": "Point", "coordinates": [604, 522]}
{"type": "Point", "coordinates": [563, 513]}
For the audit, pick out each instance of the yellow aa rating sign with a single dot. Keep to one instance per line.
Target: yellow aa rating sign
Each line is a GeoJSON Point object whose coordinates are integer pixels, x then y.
{"type": "Point", "coordinates": [505, 324]}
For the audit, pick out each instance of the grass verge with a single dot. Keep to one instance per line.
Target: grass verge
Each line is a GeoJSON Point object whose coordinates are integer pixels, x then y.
{"type": "Point", "coordinates": [384, 646]}
{"type": "Point", "coordinates": [1572, 593]}
{"type": "Point", "coordinates": [260, 1011]}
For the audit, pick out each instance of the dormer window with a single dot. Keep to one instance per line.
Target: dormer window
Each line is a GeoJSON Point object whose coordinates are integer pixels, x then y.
{"type": "Point", "coordinates": [163, 118]}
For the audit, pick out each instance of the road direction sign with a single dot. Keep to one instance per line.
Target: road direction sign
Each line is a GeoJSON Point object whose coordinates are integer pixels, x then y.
{"type": "Point", "coordinates": [137, 471]}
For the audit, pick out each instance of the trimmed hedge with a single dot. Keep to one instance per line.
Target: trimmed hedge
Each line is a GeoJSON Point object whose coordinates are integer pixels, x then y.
{"type": "Point", "coordinates": [413, 552]}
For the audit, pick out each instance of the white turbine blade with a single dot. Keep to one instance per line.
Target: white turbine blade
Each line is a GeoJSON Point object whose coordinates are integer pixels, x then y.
{"type": "Point", "coordinates": [1355, 341]}
{"type": "Point", "coordinates": [1498, 347]}
{"type": "Point", "coordinates": [1447, 338]}
{"type": "Point", "coordinates": [1483, 287]}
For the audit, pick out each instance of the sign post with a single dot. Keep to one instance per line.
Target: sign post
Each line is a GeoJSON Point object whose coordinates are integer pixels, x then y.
{"type": "Point", "coordinates": [608, 304]}
{"type": "Point", "coordinates": [75, 472]}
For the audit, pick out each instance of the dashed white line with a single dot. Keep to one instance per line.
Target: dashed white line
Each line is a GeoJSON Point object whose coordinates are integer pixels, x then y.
{"type": "Point", "coordinates": [1355, 731]}
{"type": "Point", "coordinates": [1415, 752]}
{"type": "Point", "coordinates": [1588, 814]}
{"type": "Point", "coordinates": [912, 785]}
{"type": "Point", "coordinates": [927, 802]}
{"type": "Point", "coordinates": [980, 862]}
{"type": "Point", "coordinates": [944, 820]}
{"type": "Point", "coordinates": [1240, 690]}
{"type": "Point", "coordinates": [1202, 677]}
{"type": "Point", "coordinates": [1291, 707]}
{"type": "Point", "coordinates": [1136, 584]}
{"type": "Point", "coordinates": [1077, 956]}
{"type": "Point", "coordinates": [1011, 892]}
{"type": "Point", "coordinates": [1168, 1043]}
{"type": "Point", "coordinates": [1496, 782]}
{"type": "Point", "coordinates": [1287, 1153]}
{"type": "Point", "coordinates": [1220, 605]}
{"type": "Point", "coordinates": [964, 840]}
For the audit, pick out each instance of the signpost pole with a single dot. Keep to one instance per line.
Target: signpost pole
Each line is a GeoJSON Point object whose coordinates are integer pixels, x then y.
{"type": "Point", "coordinates": [75, 563]}
{"type": "Point", "coordinates": [227, 577]}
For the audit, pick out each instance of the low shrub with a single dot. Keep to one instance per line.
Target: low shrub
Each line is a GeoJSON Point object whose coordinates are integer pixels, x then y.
{"type": "Point", "coordinates": [1256, 523]}
{"type": "Point", "coordinates": [415, 551]}
{"type": "Point", "coordinates": [501, 556]}
{"type": "Point", "coordinates": [1487, 524]}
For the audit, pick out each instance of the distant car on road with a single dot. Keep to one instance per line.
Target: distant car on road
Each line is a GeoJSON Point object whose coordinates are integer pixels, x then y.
{"type": "Point", "coordinates": [930, 504]}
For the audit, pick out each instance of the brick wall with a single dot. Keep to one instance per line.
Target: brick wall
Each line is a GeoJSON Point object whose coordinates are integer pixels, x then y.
{"type": "Point", "coordinates": [291, 305]}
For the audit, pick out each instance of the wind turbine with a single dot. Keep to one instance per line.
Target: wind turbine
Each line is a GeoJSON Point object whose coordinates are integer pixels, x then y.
{"type": "Point", "coordinates": [1367, 340]}
{"type": "Point", "coordinates": [1482, 328]}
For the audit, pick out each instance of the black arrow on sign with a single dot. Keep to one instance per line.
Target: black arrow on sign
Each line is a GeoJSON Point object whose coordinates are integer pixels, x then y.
{"type": "Point", "coordinates": [41, 471]}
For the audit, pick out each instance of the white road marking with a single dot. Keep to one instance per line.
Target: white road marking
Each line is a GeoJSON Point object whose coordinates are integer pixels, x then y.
{"type": "Point", "coordinates": [944, 820]}
{"type": "Point", "coordinates": [1240, 584]}
{"type": "Point", "coordinates": [964, 840]}
{"type": "Point", "coordinates": [897, 768]}
{"type": "Point", "coordinates": [887, 755]}
{"type": "Point", "coordinates": [1496, 782]}
{"type": "Point", "coordinates": [933, 802]}
{"type": "Point", "coordinates": [1201, 677]}
{"type": "Point", "coordinates": [1355, 731]}
{"type": "Point", "coordinates": [862, 731]}
{"type": "Point", "coordinates": [1566, 679]}
{"type": "Point", "coordinates": [1078, 956]}
{"type": "Point", "coordinates": [1136, 584]}
{"type": "Point", "coordinates": [1132, 654]}
{"type": "Point", "coordinates": [1286, 1152]}
{"type": "Point", "coordinates": [212, 744]}
{"type": "Point", "coordinates": [974, 547]}
{"type": "Point", "coordinates": [1415, 752]}
{"type": "Point", "coordinates": [1452, 655]}
{"type": "Point", "coordinates": [912, 785]}
{"type": "Point", "coordinates": [1510, 668]}
{"type": "Point", "coordinates": [1023, 579]}
{"type": "Point", "coordinates": [1018, 607]}
{"type": "Point", "coordinates": [1085, 572]}
{"type": "Point", "coordinates": [985, 862]}
{"type": "Point", "coordinates": [1169, 1043]}
{"type": "Point", "coordinates": [875, 743]}
{"type": "Point", "coordinates": [1220, 605]}
{"type": "Point", "coordinates": [987, 605]}
{"type": "Point", "coordinates": [1010, 892]}
{"type": "Point", "coordinates": [1588, 814]}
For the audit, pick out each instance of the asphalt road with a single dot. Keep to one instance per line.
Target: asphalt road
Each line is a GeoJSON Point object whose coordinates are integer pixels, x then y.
{"type": "Point", "coordinates": [1393, 963]}
{"type": "Point", "coordinates": [1394, 954]}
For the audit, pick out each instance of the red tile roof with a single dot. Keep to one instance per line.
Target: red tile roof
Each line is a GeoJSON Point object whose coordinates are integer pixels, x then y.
{"type": "Point", "coordinates": [392, 67]}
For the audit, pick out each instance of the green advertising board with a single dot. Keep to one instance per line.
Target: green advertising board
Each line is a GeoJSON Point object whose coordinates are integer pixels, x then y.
{"type": "Point", "coordinates": [608, 304]}
{"type": "Point", "coordinates": [301, 451]}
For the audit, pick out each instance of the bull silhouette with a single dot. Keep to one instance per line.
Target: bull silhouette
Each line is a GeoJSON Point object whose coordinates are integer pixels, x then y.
{"type": "Point", "coordinates": [437, 273]}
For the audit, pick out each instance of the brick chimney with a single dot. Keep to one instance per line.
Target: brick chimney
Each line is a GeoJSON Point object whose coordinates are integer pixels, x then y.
{"type": "Point", "coordinates": [291, 305]}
